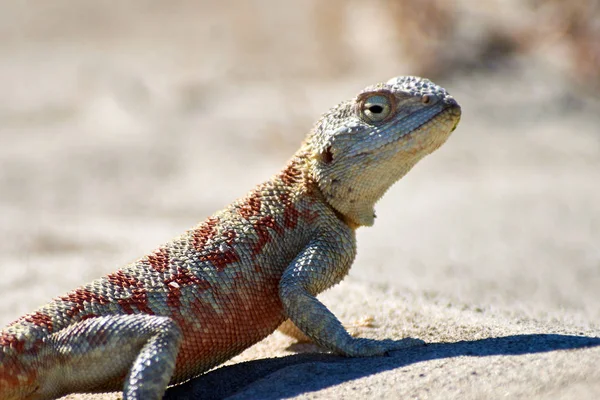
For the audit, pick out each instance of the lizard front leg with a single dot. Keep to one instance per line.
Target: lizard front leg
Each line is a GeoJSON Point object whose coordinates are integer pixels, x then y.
{"type": "Point", "coordinates": [323, 263]}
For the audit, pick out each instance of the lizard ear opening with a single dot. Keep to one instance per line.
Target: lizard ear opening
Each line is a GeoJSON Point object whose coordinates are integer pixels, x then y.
{"type": "Point", "coordinates": [326, 157]}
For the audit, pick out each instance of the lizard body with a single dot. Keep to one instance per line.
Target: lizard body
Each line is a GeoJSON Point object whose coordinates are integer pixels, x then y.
{"type": "Point", "coordinates": [226, 284]}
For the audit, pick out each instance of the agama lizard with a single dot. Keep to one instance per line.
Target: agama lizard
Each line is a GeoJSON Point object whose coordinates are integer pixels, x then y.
{"type": "Point", "coordinates": [229, 282]}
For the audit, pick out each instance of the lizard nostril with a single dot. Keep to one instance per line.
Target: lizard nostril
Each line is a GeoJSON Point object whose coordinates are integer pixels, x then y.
{"type": "Point", "coordinates": [449, 100]}
{"type": "Point", "coordinates": [426, 99]}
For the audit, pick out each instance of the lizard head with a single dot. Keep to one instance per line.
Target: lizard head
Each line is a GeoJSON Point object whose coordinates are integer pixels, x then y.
{"type": "Point", "coordinates": [362, 146]}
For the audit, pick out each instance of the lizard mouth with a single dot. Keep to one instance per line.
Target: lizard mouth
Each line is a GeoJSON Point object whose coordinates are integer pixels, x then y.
{"type": "Point", "coordinates": [430, 134]}
{"type": "Point", "coordinates": [450, 109]}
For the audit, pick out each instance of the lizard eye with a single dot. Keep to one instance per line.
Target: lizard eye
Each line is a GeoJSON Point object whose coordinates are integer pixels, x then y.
{"type": "Point", "coordinates": [376, 108]}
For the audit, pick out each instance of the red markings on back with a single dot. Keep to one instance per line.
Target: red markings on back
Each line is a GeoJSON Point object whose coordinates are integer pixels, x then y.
{"type": "Point", "coordinates": [39, 319]}
{"type": "Point", "coordinates": [159, 260]}
{"type": "Point", "coordinates": [251, 205]}
{"type": "Point", "coordinates": [204, 233]}
{"type": "Point", "coordinates": [81, 297]}
{"type": "Point", "coordinates": [262, 230]}
{"type": "Point", "coordinates": [291, 174]}
{"type": "Point", "coordinates": [122, 280]}
{"type": "Point", "coordinates": [290, 213]}
{"type": "Point", "coordinates": [182, 278]}
{"type": "Point", "coordinates": [225, 254]}
{"type": "Point", "coordinates": [220, 260]}
{"type": "Point", "coordinates": [139, 300]}
{"type": "Point", "coordinates": [138, 297]}
{"type": "Point", "coordinates": [10, 340]}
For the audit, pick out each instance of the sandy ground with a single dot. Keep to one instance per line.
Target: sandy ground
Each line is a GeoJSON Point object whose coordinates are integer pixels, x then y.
{"type": "Point", "coordinates": [115, 140]}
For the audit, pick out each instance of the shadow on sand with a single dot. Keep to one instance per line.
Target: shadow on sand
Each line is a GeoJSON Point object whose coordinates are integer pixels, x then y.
{"type": "Point", "coordinates": [310, 374]}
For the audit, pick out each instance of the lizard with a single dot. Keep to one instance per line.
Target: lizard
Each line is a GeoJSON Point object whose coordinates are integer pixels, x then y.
{"type": "Point", "coordinates": [230, 281]}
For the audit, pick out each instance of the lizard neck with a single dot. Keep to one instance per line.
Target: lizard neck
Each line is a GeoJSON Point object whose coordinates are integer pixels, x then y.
{"type": "Point", "coordinates": [350, 191]}
{"type": "Point", "coordinates": [299, 181]}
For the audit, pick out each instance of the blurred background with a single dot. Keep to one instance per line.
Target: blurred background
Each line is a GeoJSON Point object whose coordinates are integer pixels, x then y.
{"type": "Point", "coordinates": [124, 123]}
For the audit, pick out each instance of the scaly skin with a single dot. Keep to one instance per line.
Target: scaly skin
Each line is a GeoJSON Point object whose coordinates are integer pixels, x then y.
{"type": "Point", "coordinates": [230, 281]}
